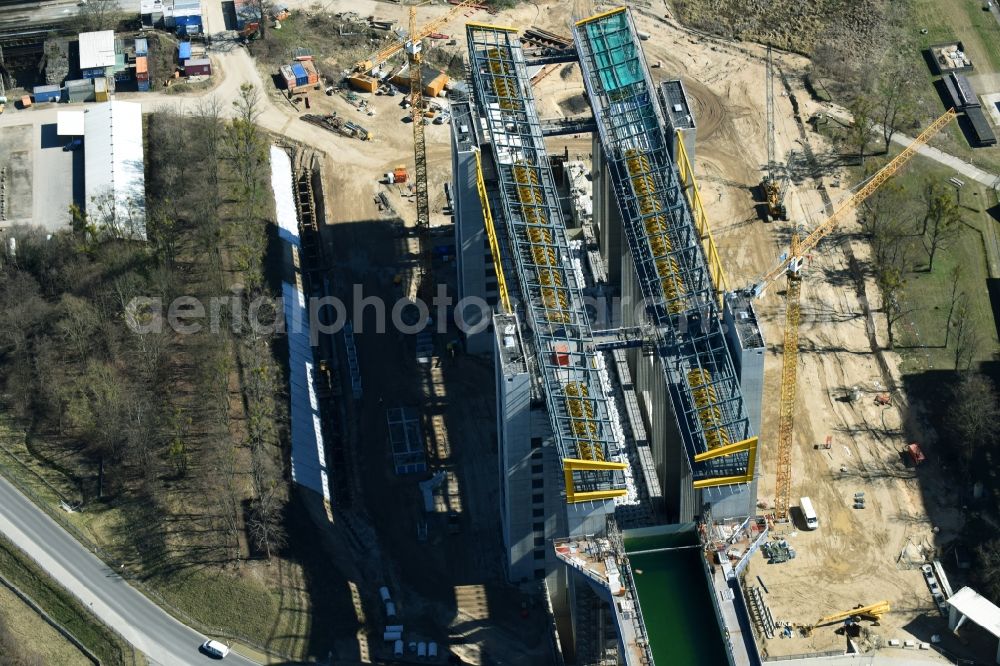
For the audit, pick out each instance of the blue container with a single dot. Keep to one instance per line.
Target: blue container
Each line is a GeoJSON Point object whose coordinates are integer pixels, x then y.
{"type": "Point", "coordinates": [47, 94]}
{"type": "Point", "coordinates": [184, 51]}
{"type": "Point", "coordinates": [143, 86]}
{"type": "Point", "coordinates": [141, 46]}
{"type": "Point", "coordinates": [92, 73]}
{"type": "Point", "coordinates": [301, 77]}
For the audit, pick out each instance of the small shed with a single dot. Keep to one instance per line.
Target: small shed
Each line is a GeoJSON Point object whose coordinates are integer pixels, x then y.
{"type": "Point", "coordinates": [97, 52]}
{"type": "Point", "coordinates": [198, 67]}
{"type": "Point", "coordinates": [69, 123]}
{"type": "Point", "coordinates": [80, 90]}
{"type": "Point", "coordinates": [984, 135]}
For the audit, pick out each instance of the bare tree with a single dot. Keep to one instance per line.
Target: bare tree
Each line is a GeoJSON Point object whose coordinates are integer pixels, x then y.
{"type": "Point", "coordinates": [861, 133]}
{"type": "Point", "coordinates": [966, 337]}
{"type": "Point", "coordinates": [988, 556]}
{"type": "Point", "coordinates": [262, 10]}
{"type": "Point", "coordinates": [973, 414]}
{"type": "Point", "coordinates": [956, 279]}
{"type": "Point", "coordinates": [100, 14]}
{"type": "Point", "coordinates": [891, 284]}
{"type": "Point", "coordinates": [894, 96]}
{"type": "Point", "coordinates": [942, 222]}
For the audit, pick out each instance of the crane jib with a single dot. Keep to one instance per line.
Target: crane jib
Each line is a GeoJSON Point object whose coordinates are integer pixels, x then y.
{"type": "Point", "coordinates": [867, 189]}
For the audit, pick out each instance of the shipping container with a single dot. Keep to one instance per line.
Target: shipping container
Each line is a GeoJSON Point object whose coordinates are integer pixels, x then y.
{"type": "Point", "coordinates": [363, 82]}
{"type": "Point", "coordinates": [312, 75]}
{"type": "Point", "coordinates": [80, 90]}
{"type": "Point", "coordinates": [141, 46]}
{"type": "Point", "coordinates": [143, 86]}
{"type": "Point", "coordinates": [184, 51]}
{"type": "Point", "coordinates": [198, 67]}
{"type": "Point", "coordinates": [142, 68]}
{"type": "Point", "coordinates": [92, 73]}
{"type": "Point", "coordinates": [434, 88]}
{"type": "Point", "coordinates": [285, 72]}
{"type": "Point", "coordinates": [301, 77]}
{"type": "Point", "coordinates": [47, 94]}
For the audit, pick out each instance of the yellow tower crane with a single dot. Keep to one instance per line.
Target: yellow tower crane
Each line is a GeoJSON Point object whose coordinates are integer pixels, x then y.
{"type": "Point", "coordinates": [791, 266]}
{"type": "Point", "coordinates": [415, 35]}
{"type": "Point", "coordinates": [414, 52]}
{"type": "Point", "coordinates": [415, 56]}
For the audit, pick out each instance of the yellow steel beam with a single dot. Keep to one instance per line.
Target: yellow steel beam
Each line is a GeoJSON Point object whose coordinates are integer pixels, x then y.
{"type": "Point", "coordinates": [749, 445]}
{"type": "Point", "coordinates": [586, 465]}
{"type": "Point", "coordinates": [489, 26]}
{"type": "Point", "coordinates": [722, 451]}
{"type": "Point", "coordinates": [686, 172]}
{"type": "Point", "coordinates": [491, 234]}
{"type": "Point", "coordinates": [571, 465]}
{"type": "Point", "coordinates": [601, 15]}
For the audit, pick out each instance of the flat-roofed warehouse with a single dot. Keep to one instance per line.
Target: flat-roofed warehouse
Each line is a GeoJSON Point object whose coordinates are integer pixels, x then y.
{"type": "Point", "coordinates": [114, 175]}
{"type": "Point", "coordinates": [97, 52]}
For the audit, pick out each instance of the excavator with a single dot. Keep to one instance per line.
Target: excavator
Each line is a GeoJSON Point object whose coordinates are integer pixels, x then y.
{"type": "Point", "coordinates": [872, 613]}
{"type": "Point", "coordinates": [772, 186]}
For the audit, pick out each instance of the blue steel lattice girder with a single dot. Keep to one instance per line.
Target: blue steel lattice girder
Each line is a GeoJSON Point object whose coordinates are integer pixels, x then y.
{"type": "Point", "coordinates": [553, 301]}
{"type": "Point", "coordinates": [630, 128]}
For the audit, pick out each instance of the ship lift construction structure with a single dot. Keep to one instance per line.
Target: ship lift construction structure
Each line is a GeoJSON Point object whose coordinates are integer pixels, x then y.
{"type": "Point", "coordinates": [689, 452]}
{"type": "Point", "coordinates": [701, 432]}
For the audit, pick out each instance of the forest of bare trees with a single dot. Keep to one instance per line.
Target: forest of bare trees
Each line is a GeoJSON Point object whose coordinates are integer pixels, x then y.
{"type": "Point", "coordinates": [182, 434]}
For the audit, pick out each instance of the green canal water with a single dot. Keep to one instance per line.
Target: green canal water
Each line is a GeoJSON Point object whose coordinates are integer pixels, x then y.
{"type": "Point", "coordinates": [675, 602]}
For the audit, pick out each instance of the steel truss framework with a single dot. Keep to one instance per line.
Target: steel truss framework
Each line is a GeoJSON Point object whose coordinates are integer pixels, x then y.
{"type": "Point", "coordinates": [667, 253]}
{"type": "Point", "coordinates": [552, 299]}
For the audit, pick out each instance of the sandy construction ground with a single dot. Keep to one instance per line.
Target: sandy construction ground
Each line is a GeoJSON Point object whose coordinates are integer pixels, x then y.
{"type": "Point", "coordinates": [852, 558]}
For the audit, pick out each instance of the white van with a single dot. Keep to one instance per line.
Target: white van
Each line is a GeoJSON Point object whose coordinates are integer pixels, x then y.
{"type": "Point", "coordinates": [808, 513]}
{"type": "Point", "coordinates": [215, 649]}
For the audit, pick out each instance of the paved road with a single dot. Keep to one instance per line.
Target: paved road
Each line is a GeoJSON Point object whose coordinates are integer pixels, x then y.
{"type": "Point", "coordinates": [143, 624]}
{"type": "Point", "coordinates": [965, 168]}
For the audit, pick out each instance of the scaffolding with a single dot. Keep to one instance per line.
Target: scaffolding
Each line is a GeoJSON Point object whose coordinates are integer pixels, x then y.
{"type": "Point", "coordinates": [666, 247]}
{"type": "Point", "coordinates": [552, 297]}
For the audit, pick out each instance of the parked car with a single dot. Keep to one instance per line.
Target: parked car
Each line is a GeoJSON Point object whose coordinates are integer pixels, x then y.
{"type": "Point", "coordinates": [215, 649]}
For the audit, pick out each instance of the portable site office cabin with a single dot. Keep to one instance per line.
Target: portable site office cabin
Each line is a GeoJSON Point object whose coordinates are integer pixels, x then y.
{"type": "Point", "coordinates": [198, 67]}
{"type": "Point", "coordinates": [47, 94]}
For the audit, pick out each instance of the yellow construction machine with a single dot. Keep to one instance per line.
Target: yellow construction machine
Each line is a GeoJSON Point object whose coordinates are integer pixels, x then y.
{"type": "Point", "coordinates": [773, 185]}
{"type": "Point", "coordinates": [872, 613]}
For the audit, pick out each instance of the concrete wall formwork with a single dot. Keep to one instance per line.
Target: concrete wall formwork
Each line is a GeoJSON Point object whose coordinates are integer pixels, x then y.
{"type": "Point", "coordinates": [472, 249]}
